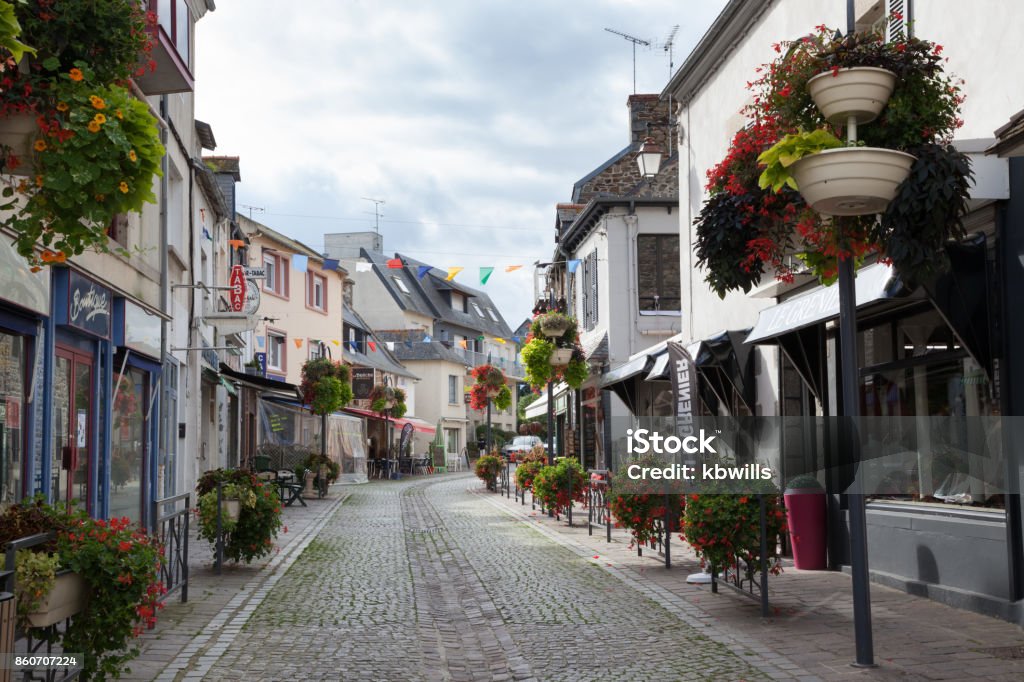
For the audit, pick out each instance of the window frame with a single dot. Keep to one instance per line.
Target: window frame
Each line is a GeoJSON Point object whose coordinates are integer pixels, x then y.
{"type": "Point", "coordinates": [453, 389]}
{"type": "Point", "coordinates": [661, 283]}
{"type": "Point", "coordinates": [280, 284]}
{"type": "Point", "coordinates": [312, 279]}
{"type": "Point", "coordinates": [272, 333]}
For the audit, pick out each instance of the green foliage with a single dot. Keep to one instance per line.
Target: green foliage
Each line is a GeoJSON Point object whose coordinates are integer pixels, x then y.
{"type": "Point", "coordinates": [504, 398]}
{"type": "Point", "coordinates": [325, 386]}
{"type": "Point", "coordinates": [723, 527]}
{"type": "Point", "coordinates": [208, 507]}
{"type": "Point", "coordinates": [315, 461]}
{"type": "Point", "coordinates": [637, 512]}
{"type": "Point", "coordinates": [576, 372]}
{"type": "Point", "coordinates": [567, 339]}
{"type": "Point", "coordinates": [537, 361]}
{"type": "Point", "coordinates": [382, 395]}
{"type": "Point", "coordinates": [10, 30]}
{"type": "Point", "coordinates": [557, 486]}
{"type": "Point", "coordinates": [253, 536]}
{"type": "Point", "coordinates": [791, 148]}
{"type": "Point", "coordinates": [527, 471]}
{"type": "Point", "coordinates": [804, 482]}
{"type": "Point", "coordinates": [35, 574]}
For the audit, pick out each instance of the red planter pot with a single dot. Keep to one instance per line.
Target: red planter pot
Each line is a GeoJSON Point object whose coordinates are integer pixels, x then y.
{"type": "Point", "coordinates": [805, 511]}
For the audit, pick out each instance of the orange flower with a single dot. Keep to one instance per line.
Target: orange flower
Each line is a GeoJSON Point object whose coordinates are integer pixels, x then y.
{"type": "Point", "coordinates": [100, 197]}
{"type": "Point", "coordinates": [40, 145]}
{"type": "Point", "coordinates": [53, 256]}
{"type": "Point", "coordinates": [35, 268]}
{"type": "Point", "coordinates": [76, 75]}
{"type": "Point", "coordinates": [97, 102]}
{"type": "Point", "coordinates": [133, 156]}
{"type": "Point", "coordinates": [100, 118]}
{"type": "Point", "coordinates": [119, 114]}
{"type": "Point", "coordinates": [39, 181]}
{"type": "Point", "coordinates": [62, 106]}
{"type": "Point", "coordinates": [93, 126]}
{"type": "Point", "coordinates": [123, 187]}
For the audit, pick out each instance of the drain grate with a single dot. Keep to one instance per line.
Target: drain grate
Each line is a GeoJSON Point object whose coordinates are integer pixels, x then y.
{"type": "Point", "coordinates": [421, 531]}
{"type": "Point", "coordinates": [1006, 653]}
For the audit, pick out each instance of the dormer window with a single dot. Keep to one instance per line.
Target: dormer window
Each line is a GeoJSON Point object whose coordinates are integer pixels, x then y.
{"type": "Point", "coordinates": [458, 301]}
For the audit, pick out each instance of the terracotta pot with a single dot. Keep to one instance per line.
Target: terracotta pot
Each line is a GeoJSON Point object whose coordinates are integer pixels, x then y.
{"type": "Point", "coordinates": [19, 132]}
{"type": "Point", "coordinates": [861, 92]}
{"type": "Point", "coordinates": [67, 597]}
{"type": "Point", "coordinates": [851, 180]}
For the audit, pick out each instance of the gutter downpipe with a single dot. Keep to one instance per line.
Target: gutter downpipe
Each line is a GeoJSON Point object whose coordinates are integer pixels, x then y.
{"type": "Point", "coordinates": [162, 436]}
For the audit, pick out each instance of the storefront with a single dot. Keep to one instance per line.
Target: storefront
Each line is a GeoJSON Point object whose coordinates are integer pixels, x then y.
{"type": "Point", "coordinates": [24, 307]}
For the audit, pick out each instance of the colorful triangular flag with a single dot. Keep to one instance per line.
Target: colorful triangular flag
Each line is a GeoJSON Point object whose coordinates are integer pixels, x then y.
{"type": "Point", "coordinates": [573, 264]}
{"type": "Point", "coordinates": [353, 347]}
{"type": "Point", "coordinates": [423, 269]}
{"type": "Point", "coordinates": [463, 343]}
{"type": "Point", "coordinates": [395, 264]}
{"type": "Point", "coordinates": [480, 338]}
{"type": "Point", "coordinates": [485, 274]}
{"type": "Point", "coordinates": [452, 272]}
{"type": "Point", "coordinates": [372, 345]}
{"type": "Point", "coordinates": [298, 343]}
{"type": "Point", "coordinates": [364, 267]}
{"type": "Point", "coordinates": [300, 263]}
{"type": "Point", "coordinates": [427, 339]}
{"type": "Point", "coordinates": [206, 233]}
{"type": "Point", "coordinates": [516, 338]}
{"type": "Point", "coordinates": [261, 341]}
{"type": "Point", "coordinates": [330, 263]}
{"type": "Point", "coordinates": [512, 268]}
{"type": "Point", "coordinates": [336, 342]}
{"type": "Point", "coordinates": [390, 345]}
{"type": "Point", "coordinates": [499, 340]}
{"type": "Point", "coordinates": [408, 343]}
{"type": "Point", "coordinates": [236, 243]}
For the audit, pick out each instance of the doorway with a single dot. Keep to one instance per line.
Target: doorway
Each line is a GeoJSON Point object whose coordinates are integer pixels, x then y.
{"type": "Point", "coordinates": [74, 458]}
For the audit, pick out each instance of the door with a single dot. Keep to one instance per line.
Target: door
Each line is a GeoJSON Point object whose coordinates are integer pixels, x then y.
{"type": "Point", "coordinates": [73, 456]}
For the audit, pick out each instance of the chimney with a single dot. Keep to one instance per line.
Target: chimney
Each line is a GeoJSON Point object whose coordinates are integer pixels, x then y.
{"type": "Point", "coordinates": [648, 117]}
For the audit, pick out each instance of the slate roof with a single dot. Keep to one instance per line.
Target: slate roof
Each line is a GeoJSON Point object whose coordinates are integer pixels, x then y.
{"type": "Point", "coordinates": [382, 358]}
{"type": "Point", "coordinates": [419, 349]}
{"type": "Point", "coordinates": [425, 295]}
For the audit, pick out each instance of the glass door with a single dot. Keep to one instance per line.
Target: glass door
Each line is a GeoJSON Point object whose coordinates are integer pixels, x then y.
{"type": "Point", "coordinates": [73, 455]}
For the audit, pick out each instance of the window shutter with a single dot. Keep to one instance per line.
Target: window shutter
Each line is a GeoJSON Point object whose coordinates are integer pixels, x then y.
{"type": "Point", "coordinates": [896, 27]}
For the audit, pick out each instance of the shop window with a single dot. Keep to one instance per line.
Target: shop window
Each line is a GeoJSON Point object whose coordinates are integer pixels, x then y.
{"type": "Point", "coordinates": [129, 441]}
{"type": "Point", "coordinates": [658, 273]}
{"type": "Point", "coordinates": [12, 392]}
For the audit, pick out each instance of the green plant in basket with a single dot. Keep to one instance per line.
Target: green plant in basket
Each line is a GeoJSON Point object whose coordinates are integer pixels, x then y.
{"type": "Point", "coordinates": [487, 468]}
{"type": "Point", "coordinates": [258, 522]}
{"type": "Point", "coordinates": [560, 485]}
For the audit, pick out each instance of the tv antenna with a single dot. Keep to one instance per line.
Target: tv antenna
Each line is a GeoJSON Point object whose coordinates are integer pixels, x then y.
{"type": "Point", "coordinates": [667, 47]}
{"type": "Point", "coordinates": [636, 41]}
{"type": "Point", "coordinates": [258, 209]}
{"type": "Point", "coordinates": [377, 203]}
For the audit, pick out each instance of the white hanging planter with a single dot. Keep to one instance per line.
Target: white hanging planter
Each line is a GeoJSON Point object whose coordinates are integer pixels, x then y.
{"type": "Point", "coordinates": [560, 356]}
{"type": "Point", "coordinates": [554, 327]}
{"type": "Point", "coordinates": [851, 181]}
{"type": "Point", "coordinates": [861, 92]}
{"type": "Point", "coordinates": [67, 597]}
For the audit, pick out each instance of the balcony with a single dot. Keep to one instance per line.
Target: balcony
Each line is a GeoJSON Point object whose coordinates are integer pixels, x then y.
{"type": "Point", "coordinates": [171, 50]}
{"type": "Point", "coordinates": [513, 370]}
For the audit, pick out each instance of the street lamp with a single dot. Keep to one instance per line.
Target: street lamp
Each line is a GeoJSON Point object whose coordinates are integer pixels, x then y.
{"type": "Point", "coordinates": [649, 158]}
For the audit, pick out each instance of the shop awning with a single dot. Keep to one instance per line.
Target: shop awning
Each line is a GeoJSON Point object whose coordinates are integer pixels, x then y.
{"type": "Point", "coordinates": [874, 283]}
{"type": "Point", "coordinates": [539, 407]}
{"type": "Point", "coordinates": [637, 364]}
{"type": "Point", "coordinates": [418, 425]}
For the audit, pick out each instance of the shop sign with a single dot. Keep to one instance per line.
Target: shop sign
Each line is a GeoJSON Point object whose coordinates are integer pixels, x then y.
{"type": "Point", "coordinates": [89, 305]}
{"type": "Point", "coordinates": [261, 360]}
{"type": "Point", "coordinates": [362, 382]}
{"type": "Point", "coordinates": [252, 297]}
{"type": "Point", "coordinates": [237, 284]}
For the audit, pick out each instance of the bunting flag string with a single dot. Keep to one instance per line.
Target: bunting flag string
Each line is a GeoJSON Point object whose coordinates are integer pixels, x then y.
{"type": "Point", "coordinates": [364, 267]}
{"type": "Point", "coordinates": [372, 346]}
{"type": "Point", "coordinates": [512, 268]}
{"type": "Point", "coordinates": [571, 266]}
{"type": "Point", "coordinates": [485, 274]}
{"type": "Point", "coordinates": [298, 343]}
{"type": "Point", "coordinates": [236, 244]}
{"type": "Point", "coordinates": [331, 263]}
{"type": "Point", "coordinates": [423, 269]}
{"type": "Point", "coordinates": [452, 272]}
{"type": "Point", "coordinates": [463, 344]}
{"type": "Point", "coordinates": [395, 264]}
{"type": "Point", "coordinates": [300, 262]}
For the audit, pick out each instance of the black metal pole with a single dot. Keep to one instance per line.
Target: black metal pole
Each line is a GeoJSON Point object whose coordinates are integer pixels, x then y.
{"type": "Point", "coordinates": [857, 507]}
{"type": "Point", "coordinates": [220, 528]}
{"type": "Point", "coordinates": [488, 442]}
{"type": "Point", "coordinates": [551, 432]}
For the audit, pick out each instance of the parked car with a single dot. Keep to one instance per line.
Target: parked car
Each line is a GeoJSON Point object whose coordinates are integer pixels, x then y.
{"type": "Point", "coordinates": [520, 445]}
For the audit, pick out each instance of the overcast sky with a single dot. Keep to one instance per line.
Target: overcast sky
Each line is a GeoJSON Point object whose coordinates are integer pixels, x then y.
{"type": "Point", "coordinates": [470, 119]}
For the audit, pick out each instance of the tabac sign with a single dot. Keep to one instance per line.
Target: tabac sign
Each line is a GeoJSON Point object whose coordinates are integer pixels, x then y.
{"type": "Point", "coordinates": [89, 305]}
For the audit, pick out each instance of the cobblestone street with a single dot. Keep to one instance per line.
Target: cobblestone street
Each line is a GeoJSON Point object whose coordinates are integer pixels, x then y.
{"type": "Point", "coordinates": [425, 580]}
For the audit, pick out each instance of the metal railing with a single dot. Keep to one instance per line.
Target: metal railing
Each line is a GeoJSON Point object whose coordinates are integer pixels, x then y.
{"type": "Point", "coordinates": [598, 498]}
{"type": "Point", "coordinates": [663, 529]}
{"type": "Point", "coordinates": [741, 575]}
{"type": "Point", "coordinates": [171, 527]}
{"type": "Point", "coordinates": [512, 369]}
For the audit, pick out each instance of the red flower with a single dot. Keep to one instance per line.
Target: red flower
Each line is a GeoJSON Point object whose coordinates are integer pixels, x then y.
{"type": "Point", "coordinates": [124, 546]}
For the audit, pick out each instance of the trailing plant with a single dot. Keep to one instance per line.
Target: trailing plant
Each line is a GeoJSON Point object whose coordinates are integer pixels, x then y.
{"type": "Point", "coordinates": [745, 230]}
{"type": "Point", "coordinates": [487, 468]}
{"type": "Point", "coordinates": [381, 396]}
{"type": "Point", "coordinates": [325, 386]}
{"type": "Point", "coordinates": [314, 462]}
{"type": "Point", "coordinates": [637, 504]}
{"type": "Point", "coordinates": [35, 574]}
{"type": "Point", "coordinates": [723, 526]}
{"type": "Point", "coordinates": [526, 471]}
{"type": "Point", "coordinates": [11, 48]}
{"type": "Point", "coordinates": [539, 371]}
{"type": "Point", "coordinates": [490, 385]}
{"type": "Point", "coordinates": [560, 485]}
{"type": "Point", "coordinates": [253, 535]}
{"type": "Point", "coordinates": [208, 508]}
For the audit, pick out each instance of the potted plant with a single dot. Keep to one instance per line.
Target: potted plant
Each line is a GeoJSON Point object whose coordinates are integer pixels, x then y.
{"type": "Point", "coordinates": [116, 564]}
{"type": "Point", "coordinates": [558, 486]}
{"type": "Point", "coordinates": [259, 519]}
{"type": "Point", "coordinates": [752, 223]}
{"type": "Point", "coordinates": [325, 386]}
{"type": "Point", "coordinates": [550, 358]}
{"type": "Point", "coordinates": [95, 148]}
{"type": "Point", "coordinates": [487, 468]}
{"type": "Point", "coordinates": [554, 324]}
{"type": "Point", "coordinates": [252, 367]}
{"type": "Point", "coordinates": [804, 498]}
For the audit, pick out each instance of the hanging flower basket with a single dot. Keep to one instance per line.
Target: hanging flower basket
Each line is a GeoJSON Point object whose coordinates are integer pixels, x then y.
{"type": "Point", "coordinates": [554, 325]}
{"type": "Point", "coordinates": [861, 91]}
{"type": "Point", "coordinates": [851, 181]}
